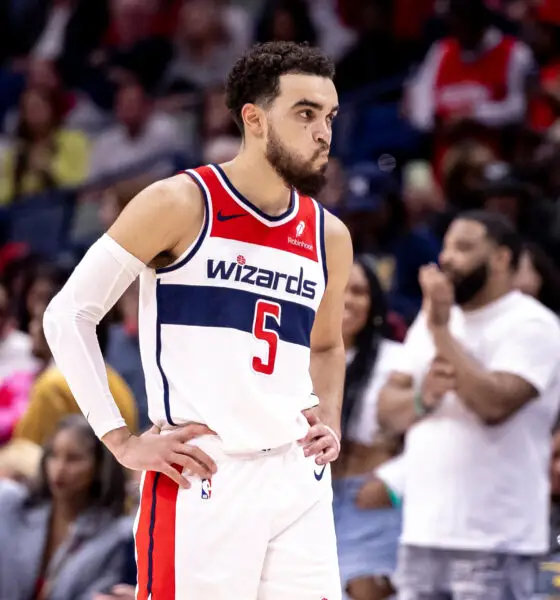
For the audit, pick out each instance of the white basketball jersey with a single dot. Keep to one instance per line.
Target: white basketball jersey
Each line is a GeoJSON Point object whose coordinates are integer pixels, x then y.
{"type": "Point", "coordinates": [225, 330]}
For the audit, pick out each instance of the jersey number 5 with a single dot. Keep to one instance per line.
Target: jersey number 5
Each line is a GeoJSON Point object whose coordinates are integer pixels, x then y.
{"type": "Point", "coordinates": [264, 309]}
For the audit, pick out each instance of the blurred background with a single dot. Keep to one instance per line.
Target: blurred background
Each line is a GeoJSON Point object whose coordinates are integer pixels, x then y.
{"type": "Point", "coordinates": [445, 105]}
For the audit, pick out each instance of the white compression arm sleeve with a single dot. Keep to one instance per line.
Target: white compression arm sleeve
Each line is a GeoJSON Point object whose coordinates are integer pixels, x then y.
{"type": "Point", "coordinates": [70, 322]}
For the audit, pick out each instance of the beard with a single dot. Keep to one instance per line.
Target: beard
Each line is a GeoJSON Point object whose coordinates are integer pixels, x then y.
{"type": "Point", "coordinates": [294, 171]}
{"type": "Point", "coordinates": [469, 285]}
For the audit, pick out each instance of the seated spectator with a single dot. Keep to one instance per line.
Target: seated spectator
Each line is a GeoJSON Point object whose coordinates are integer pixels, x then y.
{"type": "Point", "coordinates": [68, 535]}
{"type": "Point", "coordinates": [367, 539]}
{"type": "Point", "coordinates": [43, 156]}
{"type": "Point", "coordinates": [209, 40]}
{"type": "Point", "coordinates": [49, 397]}
{"type": "Point", "coordinates": [471, 84]}
{"type": "Point", "coordinates": [134, 47]}
{"type": "Point", "coordinates": [141, 134]}
{"type": "Point", "coordinates": [286, 21]}
{"type": "Point", "coordinates": [544, 108]}
{"type": "Point", "coordinates": [376, 55]}
{"type": "Point", "coordinates": [15, 346]}
{"type": "Point", "coordinates": [538, 276]}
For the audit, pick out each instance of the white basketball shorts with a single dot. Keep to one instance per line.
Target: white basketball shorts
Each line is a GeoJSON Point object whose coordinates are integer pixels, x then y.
{"type": "Point", "coordinates": [261, 529]}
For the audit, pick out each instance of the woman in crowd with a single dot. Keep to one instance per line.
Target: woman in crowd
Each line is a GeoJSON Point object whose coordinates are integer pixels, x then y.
{"type": "Point", "coordinates": [68, 535]}
{"type": "Point", "coordinates": [539, 277]}
{"type": "Point", "coordinates": [44, 156]}
{"type": "Point", "coordinates": [367, 539]}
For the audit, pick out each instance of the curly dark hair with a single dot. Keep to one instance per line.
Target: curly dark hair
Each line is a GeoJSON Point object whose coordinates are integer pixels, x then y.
{"type": "Point", "coordinates": [255, 77]}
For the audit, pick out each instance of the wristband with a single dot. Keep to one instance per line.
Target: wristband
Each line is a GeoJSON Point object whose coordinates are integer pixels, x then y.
{"type": "Point", "coordinates": [337, 439]}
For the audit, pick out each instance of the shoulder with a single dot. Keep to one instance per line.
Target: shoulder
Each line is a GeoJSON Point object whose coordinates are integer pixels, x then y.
{"type": "Point", "coordinates": [335, 229]}
{"type": "Point", "coordinates": [12, 495]}
{"type": "Point", "coordinates": [529, 312]}
{"type": "Point", "coordinates": [51, 377]}
{"type": "Point", "coordinates": [338, 247]}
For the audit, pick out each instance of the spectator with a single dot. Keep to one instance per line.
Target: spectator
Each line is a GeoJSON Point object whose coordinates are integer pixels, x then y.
{"type": "Point", "coordinates": [43, 156]}
{"type": "Point", "coordinates": [68, 535]}
{"type": "Point", "coordinates": [15, 346]}
{"type": "Point", "coordinates": [544, 109]}
{"type": "Point", "coordinates": [538, 276]}
{"type": "Point", "coordinates": [478, 389]}
{"type": "Point", "coordinates": [134, 49]}
{"type": "Point", "coordinates": [367, 539]}
{"type": "Point", "coordinates": [376, 54]}
{"type": "Point", "coordinates": [50, 398]}
{"type": "Point", "coordinates": [286, 21]}
{"type": "Point", "coordinates": [471, 84]}
{"type": "Point", "coordinates": [208, 42]}
{"type": "Point", "coordinates": [140, 135]}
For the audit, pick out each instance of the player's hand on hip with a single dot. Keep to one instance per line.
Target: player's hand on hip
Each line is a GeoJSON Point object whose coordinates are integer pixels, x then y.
{"type": "Point", "coordinates": [170, 454]}
{"type": "Point", "coordinates": [321, 441]}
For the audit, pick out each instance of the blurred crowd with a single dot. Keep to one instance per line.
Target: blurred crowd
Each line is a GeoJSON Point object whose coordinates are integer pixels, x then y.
{"type": "Point", "coordinates": [446, 106]}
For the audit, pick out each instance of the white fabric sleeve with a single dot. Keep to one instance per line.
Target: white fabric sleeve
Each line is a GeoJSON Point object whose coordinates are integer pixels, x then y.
{"type": "Point", "coordinates": [531, 351]}
{"type": "Point", "coordinates": [70, 321]}
{"type": "Point", "coordinates": [512, 108]}
{"type": "Point", "coordinates": [421, 97]}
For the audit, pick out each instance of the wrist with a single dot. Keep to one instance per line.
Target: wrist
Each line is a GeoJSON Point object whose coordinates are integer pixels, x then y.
{"type": "Point", "coordinates": [116, 440]}
{"type": "Point", "coordinates": [422, 408]}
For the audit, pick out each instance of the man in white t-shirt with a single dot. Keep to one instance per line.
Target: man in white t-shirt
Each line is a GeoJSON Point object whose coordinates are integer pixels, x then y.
{"type": "Point", "coordinates": [478, 391]}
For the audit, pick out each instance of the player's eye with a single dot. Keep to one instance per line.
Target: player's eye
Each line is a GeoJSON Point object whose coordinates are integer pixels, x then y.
{"type": "Point", "coordinates": [307, 114]}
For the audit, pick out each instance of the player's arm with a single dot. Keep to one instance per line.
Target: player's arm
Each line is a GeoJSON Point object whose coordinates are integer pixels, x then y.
{"type": "Point", "coordinates": [328, 360]}
{"type": "Point", "coordinates": [163, 219]}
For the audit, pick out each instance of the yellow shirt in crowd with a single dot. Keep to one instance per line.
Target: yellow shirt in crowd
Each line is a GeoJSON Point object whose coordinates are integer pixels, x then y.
{"type": "Point", "coordinates": [51, 400]}
{"type": "Point", "coordinates": [69, 166]}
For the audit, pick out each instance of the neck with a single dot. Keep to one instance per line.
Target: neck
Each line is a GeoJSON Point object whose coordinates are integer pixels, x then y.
{"type": "Point", "coordinates": [253, 176]}
{"type": "Point", "coordinates": [68, 511]}
{"type": "Point", "coordinates": [489, 294]}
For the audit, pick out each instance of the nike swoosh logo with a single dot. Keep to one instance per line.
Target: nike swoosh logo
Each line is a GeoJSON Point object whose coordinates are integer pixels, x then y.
{"type": "Point", "coordinates": [319, 475]}
{"type": "Point", "coordinates": [222, 217]}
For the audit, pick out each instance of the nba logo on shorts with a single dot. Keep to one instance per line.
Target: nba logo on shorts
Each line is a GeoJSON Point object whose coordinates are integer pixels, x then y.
{"type": "Point", "coordinates": [206, 491]}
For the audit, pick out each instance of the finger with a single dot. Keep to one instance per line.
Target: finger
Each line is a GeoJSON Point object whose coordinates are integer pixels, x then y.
{"type": "Point", "coordinates": [155, 430]}
{"type": "Point", "coordinates": [190, 466]}
{"type": "Point", "coordinates": [317, 446]}
{"type": "Point", "coordinates": [191, 431]}
{"type": "Point", "coordinates": [173, 474]}
{"type": "Point", "coordinates": [199, 456]}
{"type": "Point", "coordinates": [314, 432]}
{"type": "Point", "coordinates": [327, 456]}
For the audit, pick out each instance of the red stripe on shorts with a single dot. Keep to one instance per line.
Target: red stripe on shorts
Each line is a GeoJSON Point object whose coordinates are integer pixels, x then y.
{"type": "Point", "coordinates": [142, 538]}
{"type": "Point", "coordinates": [163, 545]}
{"type": "Point", "coordinates": [155, 538]}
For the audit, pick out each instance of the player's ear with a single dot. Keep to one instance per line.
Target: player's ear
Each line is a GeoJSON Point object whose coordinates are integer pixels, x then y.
{"type": "Point", "coordinates": [253, 119]}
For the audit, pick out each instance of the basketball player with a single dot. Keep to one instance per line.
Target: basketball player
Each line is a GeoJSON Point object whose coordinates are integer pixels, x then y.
{"type": "Point", "coordinates": [241, 299]}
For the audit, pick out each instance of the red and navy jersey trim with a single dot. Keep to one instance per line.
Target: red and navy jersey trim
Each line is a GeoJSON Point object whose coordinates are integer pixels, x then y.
{"type": "Point", "coordinates": [205, 225]}
{"type": "Point", "coordinates": [249, 205]}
